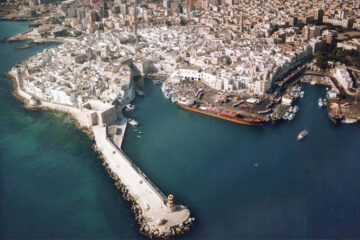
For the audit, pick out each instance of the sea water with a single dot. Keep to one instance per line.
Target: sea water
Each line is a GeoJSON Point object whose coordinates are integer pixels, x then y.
{"type": "Point", "coordinates": [238, 181]}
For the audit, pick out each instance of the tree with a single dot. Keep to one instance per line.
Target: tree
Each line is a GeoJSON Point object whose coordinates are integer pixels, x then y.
{"type": "Point", "coordinates": [183, 22]}
{"type": "Point", "coordinates": [321, 60]}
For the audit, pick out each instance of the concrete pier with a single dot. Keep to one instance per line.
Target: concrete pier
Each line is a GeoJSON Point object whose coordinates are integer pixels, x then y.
{"type": "Point", "coordinates": [159, 217]}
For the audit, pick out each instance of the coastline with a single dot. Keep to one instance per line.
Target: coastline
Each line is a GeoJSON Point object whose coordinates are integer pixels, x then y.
{"type": "Point", "coordinates": [177, 218]}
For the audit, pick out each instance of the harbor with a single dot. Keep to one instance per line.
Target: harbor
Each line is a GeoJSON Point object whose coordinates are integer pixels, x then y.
{"type": "Point", "coordinates": [53, 178]}
{"type": "Point", "coordinates": [244, 168]}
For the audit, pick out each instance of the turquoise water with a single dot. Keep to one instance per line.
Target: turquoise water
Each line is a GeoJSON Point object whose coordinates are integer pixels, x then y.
{"type": "Point", "coordinates": [308, 189]}
{"type": "Point", "coordinates": [53, 186]}
{"type": "Point", "coordinates": [51, 183]}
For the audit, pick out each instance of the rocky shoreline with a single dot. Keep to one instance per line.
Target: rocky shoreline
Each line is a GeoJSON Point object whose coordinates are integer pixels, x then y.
{"type": "Point", "coordinates": [27, 106]}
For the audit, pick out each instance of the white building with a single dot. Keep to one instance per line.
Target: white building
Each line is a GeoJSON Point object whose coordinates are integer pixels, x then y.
{"type": "Point", "coordinates": [63, 95]}
{"type": "Point", "coordinates": [192, 72]}
{"type": "Point", "coordinates": [343, 77]}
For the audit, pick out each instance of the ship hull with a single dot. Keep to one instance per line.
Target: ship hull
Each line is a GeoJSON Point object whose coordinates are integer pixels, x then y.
{"type": "Point", "coordinates": [333, 119]}
{"type": "Point", "coordinates": [231, 119]}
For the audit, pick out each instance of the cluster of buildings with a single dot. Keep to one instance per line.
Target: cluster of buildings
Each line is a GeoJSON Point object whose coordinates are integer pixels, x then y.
{"type": "Point", "coordinates": [223, 59]}
{"type": "Point", "coordinates": [94, 67]}
{"type": "Point", "coordinates": [240, 46]}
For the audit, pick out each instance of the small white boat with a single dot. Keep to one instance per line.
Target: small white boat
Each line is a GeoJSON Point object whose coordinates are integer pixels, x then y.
{"type": "Point", "coordinates": [349, 121]}
{"type": "Point", "coordinates": [291, 116]}
{"type": "Point", "coordinates": [157, 81]}
{"type": "Point", "coordinates": [256, 164]}
{"type": "Point", "coordinates": [140, 93]}
{"type": "Point", "coordinates": [302, 134]}
{"type": "Point", "coordinates": [130, 106]}
{"type": "Point", "coordinates": [132, 122]}
{"type": "Point", "coordinates": [286, 116]}
{"type": "Point", "coordinates": [324, 102]}
{"type": "Point", "coordinates": [302, 94]}
{"type": "Point", "coordinates": [291, 109]}
{"type": "Point", "coordinates": [296, 109]}
{"type": "Point", "coordinates": [320, 102]}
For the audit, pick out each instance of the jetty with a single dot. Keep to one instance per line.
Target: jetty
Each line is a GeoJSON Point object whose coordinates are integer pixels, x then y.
{"type": "Point", "coordinates": [157, 214]}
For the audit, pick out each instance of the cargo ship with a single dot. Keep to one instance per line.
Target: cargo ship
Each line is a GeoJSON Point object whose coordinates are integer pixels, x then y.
{"type": "Point", "coordinates": [232, 116]}
{"type": "Point", "coordinates": [334, 110]}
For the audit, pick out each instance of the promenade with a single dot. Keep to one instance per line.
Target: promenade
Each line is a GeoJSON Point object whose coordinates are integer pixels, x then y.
{"type": "Point", "coordinates": [159, 217]}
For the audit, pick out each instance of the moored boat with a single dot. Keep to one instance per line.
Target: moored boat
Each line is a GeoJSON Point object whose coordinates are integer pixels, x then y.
{"type": "Point", "coordinates": [291, 116]}
{"type": "Point", "coordinates": [140, 92]}
{"type": "Point", "coordinates": [324, 102]}
{"type": "Point", "coordinates": [349, 121]}
{"type": "Point", "coordinates": [334, 111]}
{"type": "Point", "coordinates": [286, 116]}
{"type": "Point", "coordinates": [130, 106]}
{"type": "Point", "coordinates": [132, 122]}
{"type": "Point", "coordinates": [320, 102]}
{"type": "Point", "coordinates": [232, 116]}
{"type": "Point", "coordinates": [296, 109]}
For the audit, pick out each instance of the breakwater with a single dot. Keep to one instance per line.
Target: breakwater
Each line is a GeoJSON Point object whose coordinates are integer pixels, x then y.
{"type": "Point", "coordinates": [157, 215]}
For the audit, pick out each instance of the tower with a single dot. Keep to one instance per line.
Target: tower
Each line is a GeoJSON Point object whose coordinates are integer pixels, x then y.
{"type": "Point", "coordinates": [241, 22]}
{"type": "Point", "coordinates": [135, 26]}
{"type": "Point", "coordinates": [170, 201]}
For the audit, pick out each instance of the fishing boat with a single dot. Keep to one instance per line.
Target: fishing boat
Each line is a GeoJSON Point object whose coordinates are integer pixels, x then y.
{"type": "Point", "coordinates": [302, 134]}
{"type": "Point", "coordinates": [320, 102]}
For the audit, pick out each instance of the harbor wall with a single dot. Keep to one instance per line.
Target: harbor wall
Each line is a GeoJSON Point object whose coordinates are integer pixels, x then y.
{"type": "Point", "coordinates": [150, 206]}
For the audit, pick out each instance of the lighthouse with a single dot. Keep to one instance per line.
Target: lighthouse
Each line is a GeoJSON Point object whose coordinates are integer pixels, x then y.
{"type": "Point", "coordinates": [170, 201]}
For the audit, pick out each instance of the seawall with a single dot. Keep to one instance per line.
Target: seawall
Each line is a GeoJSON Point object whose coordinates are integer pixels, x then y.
{"type": "Point", "coordinates": [156, 214]}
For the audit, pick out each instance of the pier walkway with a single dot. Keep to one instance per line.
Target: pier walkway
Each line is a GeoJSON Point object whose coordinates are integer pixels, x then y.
{"type": "Point", "coordinates": [151, 200]}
